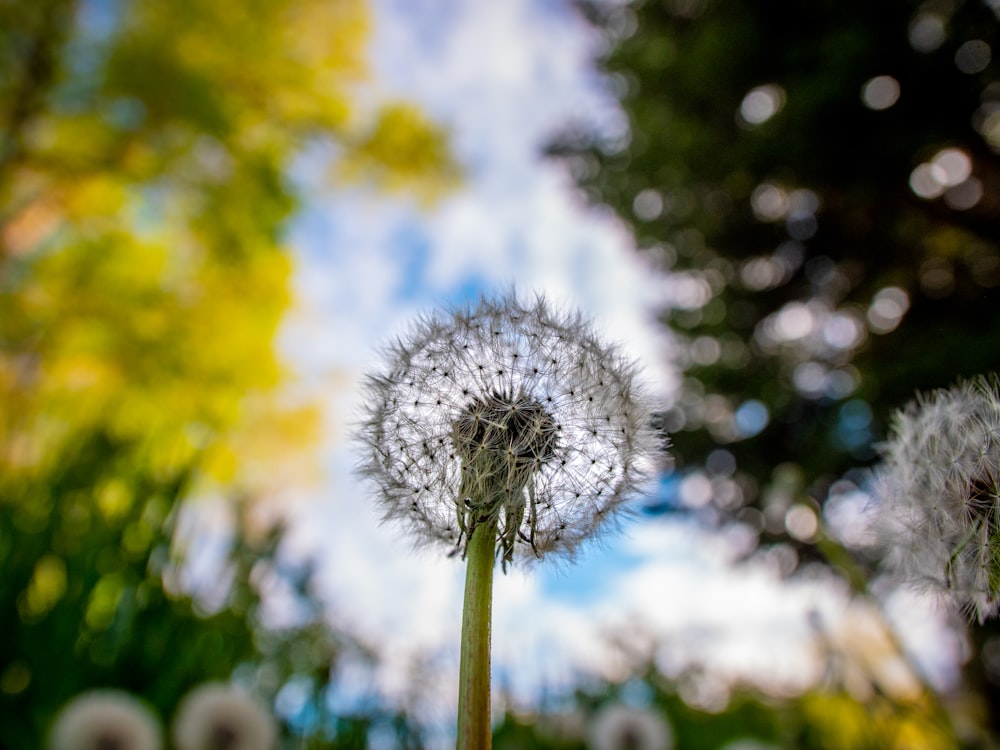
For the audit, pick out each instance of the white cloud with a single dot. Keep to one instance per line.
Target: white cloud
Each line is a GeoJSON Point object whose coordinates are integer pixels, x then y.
{"type": "Point", "coordinates": [505, 76]}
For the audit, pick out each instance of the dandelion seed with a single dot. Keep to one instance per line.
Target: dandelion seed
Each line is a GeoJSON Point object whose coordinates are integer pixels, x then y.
{"type": "Point", "coordinates": [105, 720]}
{"type": "Point", "coordinates": [542, 428]}
{"type": "Point", "coordinates": [939, 492]}
{"type": "Point", "coordinates": [217, 716]}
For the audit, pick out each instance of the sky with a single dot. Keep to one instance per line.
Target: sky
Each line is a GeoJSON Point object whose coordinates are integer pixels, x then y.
{"type": "Point", "coordinates": [504, 78]}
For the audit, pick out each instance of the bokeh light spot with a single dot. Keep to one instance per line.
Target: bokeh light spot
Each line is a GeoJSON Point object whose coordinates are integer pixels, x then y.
{"type": "Point", "coordinates": [964, 195]}
{"type": "Point", "coordinates": [847, 512]}
{"type": "Point", "coordinates": [810, 379]}
{"type": "Point", "coordinates": [794, 321]}
{"type": "Point", "coordinates": [987, 122]}
{"type": "Point", "coordinates": [721, 463]}
{"type": "Point", "coordinates": [769, 202]}
{"type": "Point", "coordinates": [842, 331]}
{"type": "Point", "coordinates": [802, 206]}
{"type": "Point", "coordinates": [751, 417]}
{"type": "Point", "coordinates": [648, 205]}
{"type": "Point", "coordinates": [841, 382]}
{"type": "Point", "coordinates": [927, 32]}
{"type": "Point", "coordinates": [696, 490]}
{"type": "Point", "coordinates": [856, 414]}
{"type": "Point", "coordinates": [937, 279]}
{"type": "Point", "coordinates": [801, 522]}
{"type": "Point", "coordinates": [887, 309]}
{"type": "Point", "coordinates": [949, 167]}
{"type": "Point", "coordinates": [689, 291]}
{"type": "Point", "coordinates": [923, 183]}
{"type": "Point", "coordinates": [803, 201]}
{"type": "Point", "coordinates": [761, 273]}
{"type": "Point", "coordinates": [853, 430]}
{"type": "Point", "coordinates": [705, 350]}
{"type": "Point", "coordinates": [801, 226]}
{"type": "Point", "coordinates": [880, 92]}
{"type": "Point", "coordinates": [973, 57]}
{"type": "Point", "coordinates": [762, 103]}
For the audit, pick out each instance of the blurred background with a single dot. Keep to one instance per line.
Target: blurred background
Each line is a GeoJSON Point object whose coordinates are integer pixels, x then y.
{"type": "Point", "coordinates": [213, 213]}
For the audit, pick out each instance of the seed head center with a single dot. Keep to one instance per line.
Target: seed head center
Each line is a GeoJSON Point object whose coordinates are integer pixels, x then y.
{"type": "Point", "coordinates": [223, 737]}
{"type": "Point", "coordinates": [515, 429]}
{"type": "Point", "coordinates": [109, 741]}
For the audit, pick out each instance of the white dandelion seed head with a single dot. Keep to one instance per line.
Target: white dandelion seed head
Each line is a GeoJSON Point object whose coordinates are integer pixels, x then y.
{"type": "Point", "coordinates": [218, 716]}
{"type": "Point", "coordinates": [506, 413]}
{"type": "Point", "coordinates": [620, 727]}
{"type": "Point", "coordinates": [105, 720]}
{"type": "Point", "coordinates": [939, 493]}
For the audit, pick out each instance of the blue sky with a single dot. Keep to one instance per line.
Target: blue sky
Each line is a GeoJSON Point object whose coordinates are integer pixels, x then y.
{"type": "Point", "coordinates": [504, 78]}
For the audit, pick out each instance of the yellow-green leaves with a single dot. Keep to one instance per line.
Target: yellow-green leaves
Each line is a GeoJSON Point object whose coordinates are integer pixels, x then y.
{"type": "Point", "coordinates": [147, 154]}
{"type": "Point", "coordinates": [402, 149]}
{"type": "Point", "coordinates": [46, 588]}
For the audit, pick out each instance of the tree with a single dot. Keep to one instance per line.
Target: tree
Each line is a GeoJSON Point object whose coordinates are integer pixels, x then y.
{"type": "Point", "coordinates": [826, 718]}
{"type": "Point", "coordinates": [822, 181]}
{"type": "Point", "coordinates": [146, 155]}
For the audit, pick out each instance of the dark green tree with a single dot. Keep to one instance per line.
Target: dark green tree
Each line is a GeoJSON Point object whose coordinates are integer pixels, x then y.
{"type": "Point", "coordinates": [823, 181]}
{"type": "Point", "coordinates": [822, 178]}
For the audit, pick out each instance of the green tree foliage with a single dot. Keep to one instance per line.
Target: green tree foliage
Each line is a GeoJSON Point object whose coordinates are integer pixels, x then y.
{"type": "Point", "coordinates": [774, 163]}
{"type": "Point", "coordinates": [867, 696]}
{"type": "Point", "coordinates": [822, 180]}
{"type": "Point", "coordinates": [146, 149]}
{"type": "Point", "coordinates": [821, 719]}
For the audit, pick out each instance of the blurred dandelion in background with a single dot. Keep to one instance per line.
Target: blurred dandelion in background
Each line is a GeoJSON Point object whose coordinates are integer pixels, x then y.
{"type": "Point", "coordinates": [939, 487]}
{"type": "Point", "coordinates": [217, 716]}
{"type": "Point", "coordinates": [621, 727]}
{"type": "Point", "coordinates": [105, 720]}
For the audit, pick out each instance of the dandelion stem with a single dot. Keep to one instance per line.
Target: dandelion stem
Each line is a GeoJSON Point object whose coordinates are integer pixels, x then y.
{"type": "Point", "coordinates": [474, 731]}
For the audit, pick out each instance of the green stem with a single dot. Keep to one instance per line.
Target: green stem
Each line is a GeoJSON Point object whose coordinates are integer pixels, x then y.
{"type": "Point", "coordinates": [474, 732]}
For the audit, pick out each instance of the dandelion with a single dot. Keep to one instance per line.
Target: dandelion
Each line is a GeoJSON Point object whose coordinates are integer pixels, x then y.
{"type": "Point", "coordinates": [217, 716]}
{"type": "Point", "coordinates": [619, 727]}
{"type": "Point", "coordinates": [105, 720]}
{"type": "Point", "coordinates": [507, 415]}
{"type": "Point", "coordinates": [939, 492]}
{"type": "Point", "coordinates": [503, 430]}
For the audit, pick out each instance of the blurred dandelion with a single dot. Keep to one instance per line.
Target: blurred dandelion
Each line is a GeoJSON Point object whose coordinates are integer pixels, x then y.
{"type": "Point", "coordinates": [105, 720]}
{"type": "Point", "coordinates": [939, 492]}
{"type": "Point", "coordinates": [511, 415]}
{"type": "Point", "coordinates": [507, 430]}
{"type": "Point", "coordinates": [619, 727]}
{"type": "Point", "coordinates": [217, 716]}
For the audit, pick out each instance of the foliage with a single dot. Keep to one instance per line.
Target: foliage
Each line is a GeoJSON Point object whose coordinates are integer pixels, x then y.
{"type": "Point", "coordinates": [827, 718]}
{"type": "Point", "coordinates": [146, 154]}
{"type": "Point", "coordinates": [821, 180]}
{"type": "Point", "coordinates": [822, 274]}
